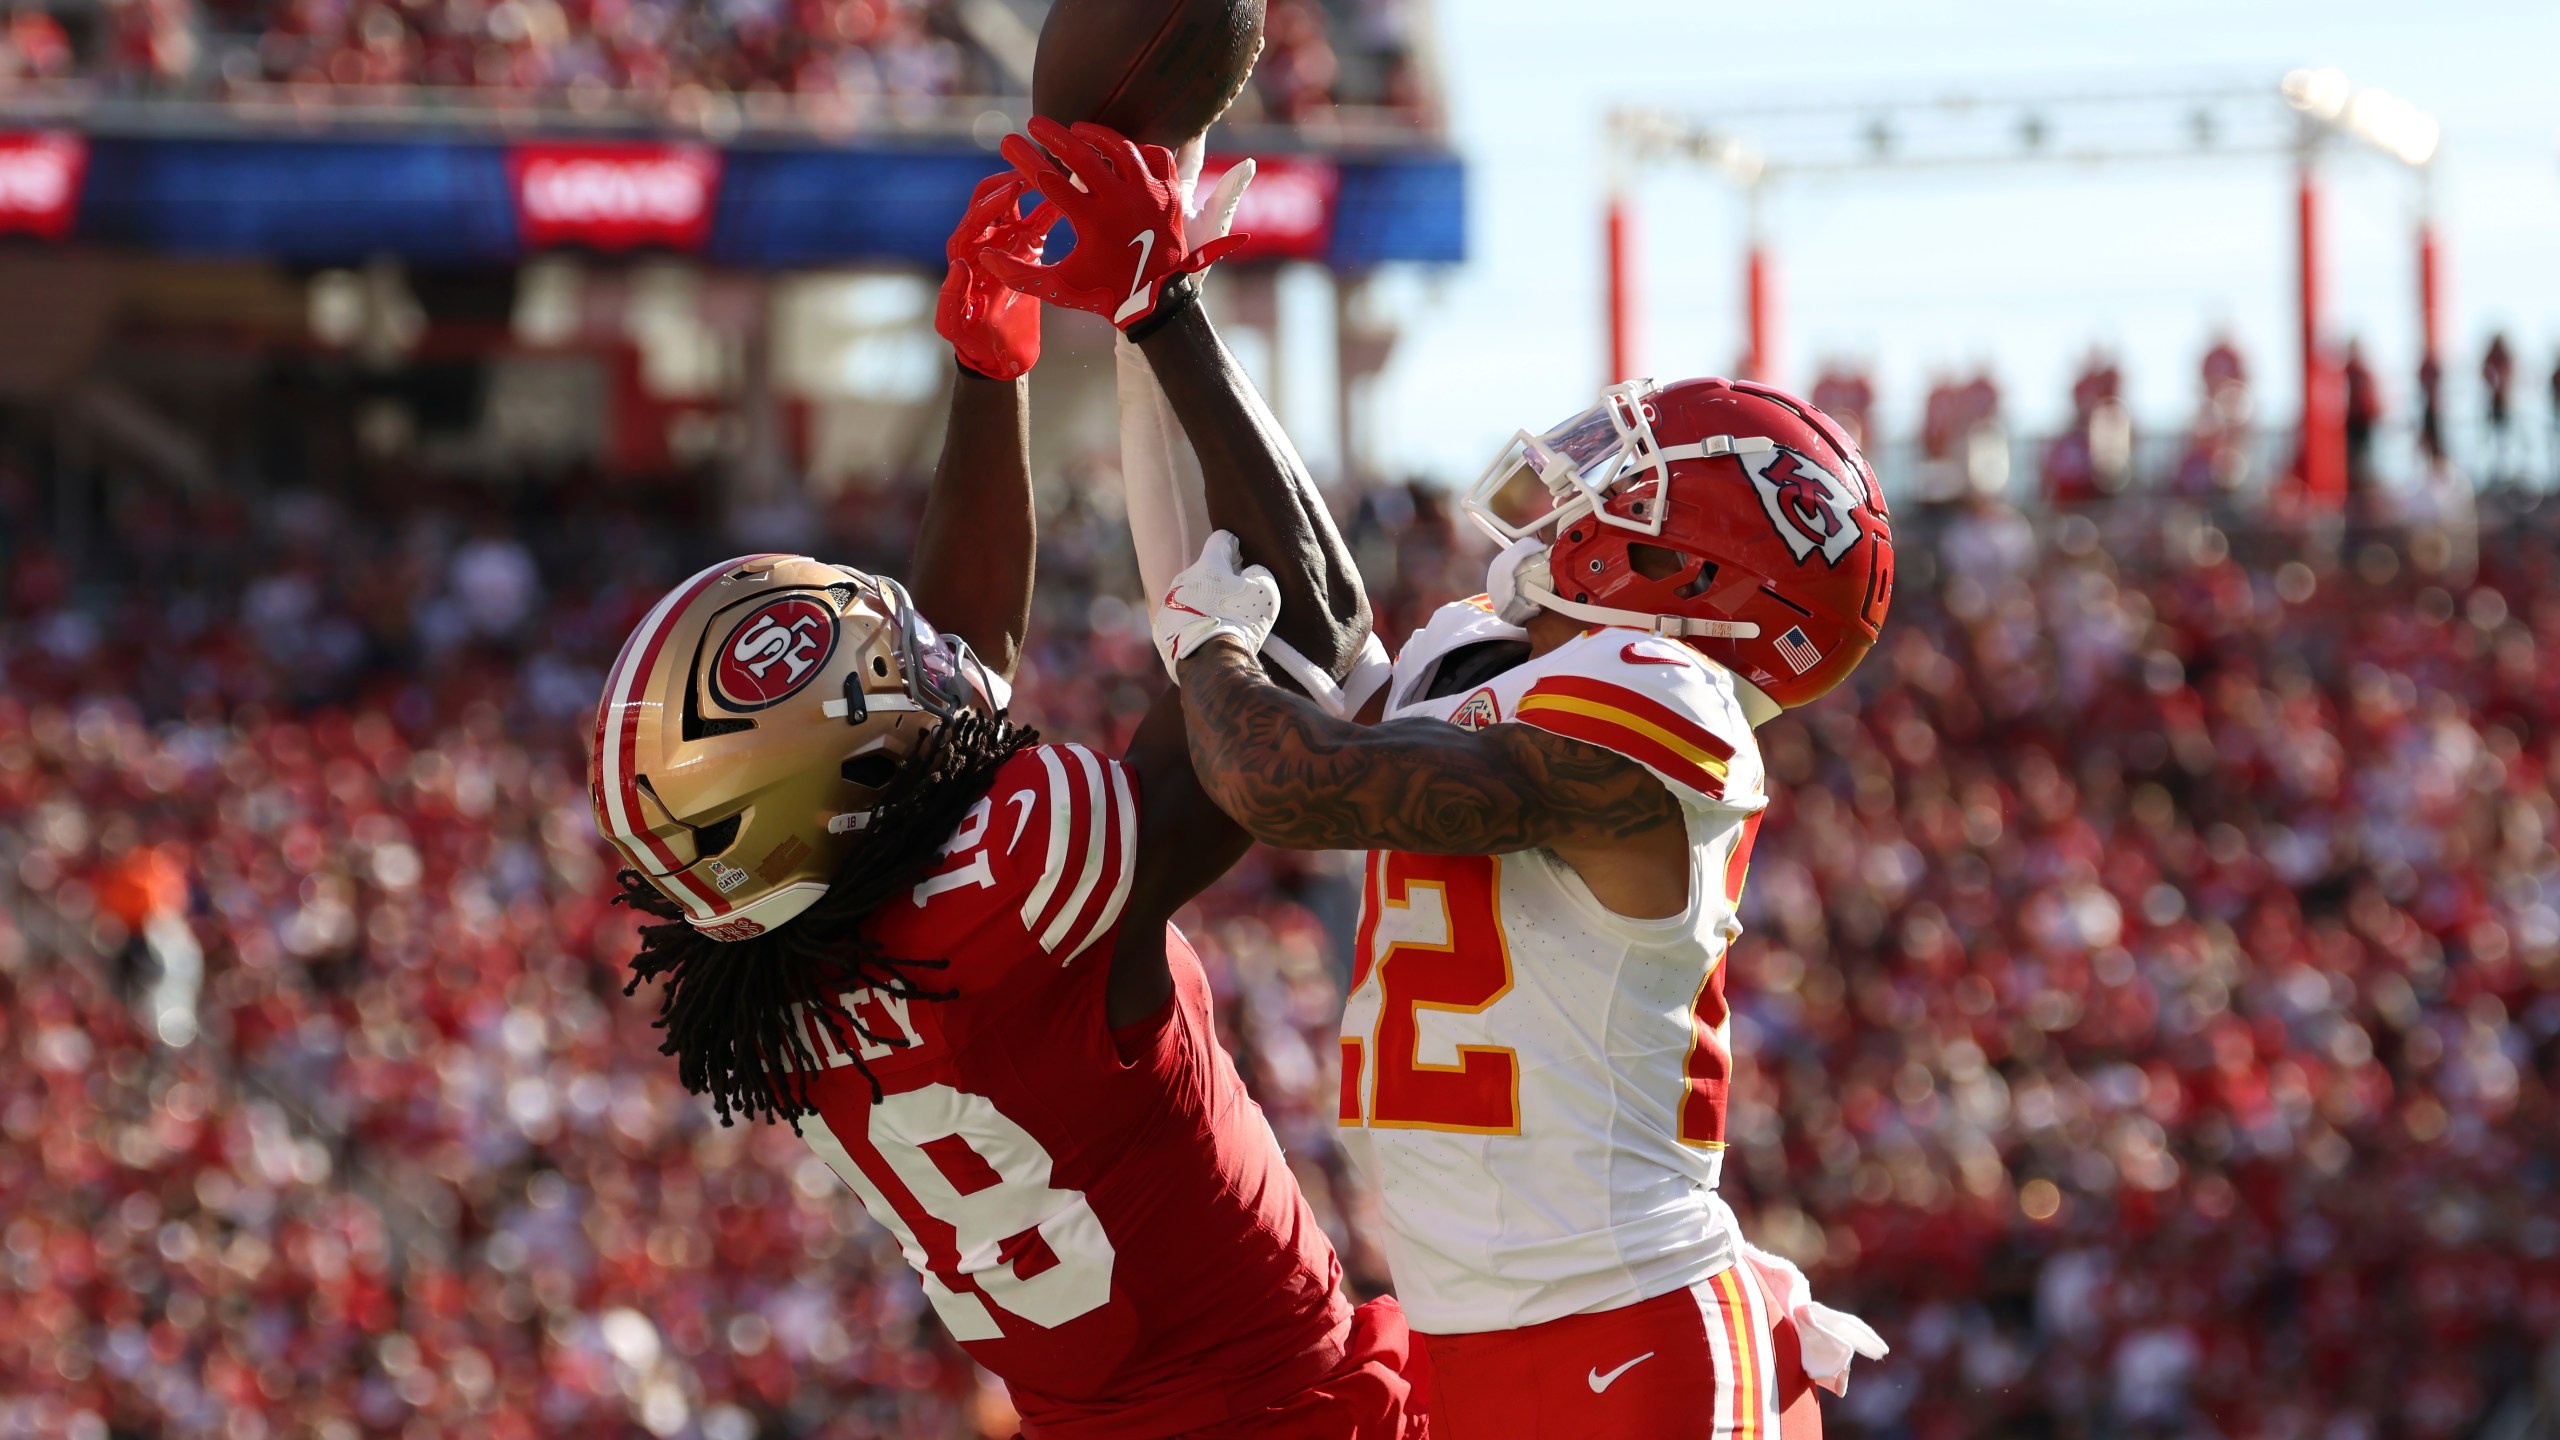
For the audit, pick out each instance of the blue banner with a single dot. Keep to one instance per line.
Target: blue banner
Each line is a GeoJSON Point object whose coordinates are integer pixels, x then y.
{"type": "Point", "coordinates": [450, 202]}
{"type": "Point", "coordinates": [312, 202]}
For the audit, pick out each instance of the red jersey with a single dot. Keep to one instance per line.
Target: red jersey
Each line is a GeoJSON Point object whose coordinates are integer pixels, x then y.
{"type": "Point", "coordinates": [1104, 1221]}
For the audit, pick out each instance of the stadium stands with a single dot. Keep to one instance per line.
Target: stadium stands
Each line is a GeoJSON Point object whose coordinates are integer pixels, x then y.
{"type": "Point", "coordinates": [2149, 1018]}
{"type": "Point", "coordinates": [686, 60]}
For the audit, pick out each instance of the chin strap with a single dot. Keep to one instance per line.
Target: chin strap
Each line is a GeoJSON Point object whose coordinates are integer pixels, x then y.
{"type": "Point", "coordinates": [1715, 445]}
{"type": "Point", "coordinates": [1519, 585]}
{"type": "Point", "coordinates": [1369, 670]}
{"type": "Point", "coordinates": [1675, 626]}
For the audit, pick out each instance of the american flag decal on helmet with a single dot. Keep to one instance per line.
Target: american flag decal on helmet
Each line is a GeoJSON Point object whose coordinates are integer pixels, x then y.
{"type": "Point", "coordinates": [1797, 650]}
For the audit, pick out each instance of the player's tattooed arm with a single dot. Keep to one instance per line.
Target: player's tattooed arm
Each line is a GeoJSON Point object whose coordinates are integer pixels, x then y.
{"type": "Point", "coordinates": [1295, 777]}
{"type": "Point", "coordinates": [973, 561]}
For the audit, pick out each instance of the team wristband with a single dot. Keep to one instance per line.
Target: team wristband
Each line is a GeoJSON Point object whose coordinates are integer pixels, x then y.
{"type": "Point", "coordinates": [1177, 295]}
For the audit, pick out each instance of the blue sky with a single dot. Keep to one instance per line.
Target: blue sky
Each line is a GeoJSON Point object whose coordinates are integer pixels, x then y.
{"type": "Point", "coordinates": [2022, 270]}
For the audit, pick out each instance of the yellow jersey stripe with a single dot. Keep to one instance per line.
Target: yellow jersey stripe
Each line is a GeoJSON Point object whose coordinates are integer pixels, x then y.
{"type": "Point", "coordinates": [1574, 705]}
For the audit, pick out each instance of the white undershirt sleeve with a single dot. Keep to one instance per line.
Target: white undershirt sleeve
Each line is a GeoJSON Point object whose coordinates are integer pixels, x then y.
{"type": "Point", "coordinates": [1166, 498]}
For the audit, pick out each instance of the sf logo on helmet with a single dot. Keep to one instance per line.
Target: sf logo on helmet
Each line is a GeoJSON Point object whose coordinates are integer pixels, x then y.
{"type": "Point", "coordinates": [773, 652]}
{"type": "Point", "coordinates": [1812, 508]}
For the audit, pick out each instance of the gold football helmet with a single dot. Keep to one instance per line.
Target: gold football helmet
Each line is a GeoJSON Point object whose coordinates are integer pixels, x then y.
{"type": "Point", "coordinates": [755, 719]}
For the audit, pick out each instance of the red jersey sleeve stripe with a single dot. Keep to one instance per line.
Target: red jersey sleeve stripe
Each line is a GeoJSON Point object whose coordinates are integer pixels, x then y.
{"type": "Point", "coordinates": [1124, 861]}
{"type": "Point", "coordinates": [1053, 860]}
{"type": "Point", "coordinates": [1623, 739]}
{"type": "Point", "coordinates": [1097, 817]}
{"type": "Point", "coordinates": [1636, 706]}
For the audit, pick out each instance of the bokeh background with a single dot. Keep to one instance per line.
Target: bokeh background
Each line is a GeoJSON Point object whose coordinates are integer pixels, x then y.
{"type": "Point", "coordinates": [2149, 1016]}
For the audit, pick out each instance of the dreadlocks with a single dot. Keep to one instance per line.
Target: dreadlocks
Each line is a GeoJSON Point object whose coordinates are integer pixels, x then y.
{"type": "Point", "coordinates": [732, 1010]}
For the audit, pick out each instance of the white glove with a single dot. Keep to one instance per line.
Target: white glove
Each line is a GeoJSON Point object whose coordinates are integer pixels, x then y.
{"type": "Point", "coordinates": [1829, 1338]}
{"type": "Point", "coordinates": [1211, 219]}
{"type": "Point", "coordinates": [1211, 598]}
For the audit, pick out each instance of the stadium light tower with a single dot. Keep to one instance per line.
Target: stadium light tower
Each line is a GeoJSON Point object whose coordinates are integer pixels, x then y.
{"type": "Point", "coordinates": [2333, 109]}
{"type": "Point", "coordinates": [2106, 122]}
{"type": "Point", "coordinates": [1649, 137]}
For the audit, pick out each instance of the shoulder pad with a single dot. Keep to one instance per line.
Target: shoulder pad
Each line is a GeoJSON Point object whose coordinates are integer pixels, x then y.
{"type": "Point", "coordinates": [1451, 628]}
{"type": "Point", "coordinates": [1655, 701]}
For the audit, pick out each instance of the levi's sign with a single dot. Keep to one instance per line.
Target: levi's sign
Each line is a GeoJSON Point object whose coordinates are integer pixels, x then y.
{"type": "Point", "coordinates": [614, 197]}
{"type": "Point", "coordinates": [1287, 212]}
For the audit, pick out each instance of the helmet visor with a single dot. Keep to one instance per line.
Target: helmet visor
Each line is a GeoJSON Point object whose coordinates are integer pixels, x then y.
{"type": "Point", "coordinates": [1514, 489]}
{"type": "Point", "coordinates": [933, 664]}
{"type": "Point", "coordinates": [1568, 466]}
{"type": "Point", "coordinates": [1590, 449]}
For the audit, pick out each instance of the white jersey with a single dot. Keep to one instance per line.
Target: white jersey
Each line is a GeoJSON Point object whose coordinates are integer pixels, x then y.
{"type": "Point", "coordinates": [1536, 1084]}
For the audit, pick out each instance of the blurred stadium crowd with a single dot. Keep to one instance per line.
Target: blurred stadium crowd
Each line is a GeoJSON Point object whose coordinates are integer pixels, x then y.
{"type": "Point", "coordinates": [843, 60]}
{"type": "Point", "coordinates": [2224, 452]}
{"type": "Point", "coordinates": [2149, 1016]}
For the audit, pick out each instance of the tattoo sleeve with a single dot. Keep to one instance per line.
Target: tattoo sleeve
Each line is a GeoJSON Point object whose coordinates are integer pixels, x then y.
{"type": "Point", "coordinates": [1295, 777]}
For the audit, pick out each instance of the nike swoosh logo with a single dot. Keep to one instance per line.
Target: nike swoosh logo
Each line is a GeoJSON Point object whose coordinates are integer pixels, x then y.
{"type": "Point", "coordinates": [1634, 656]}
{"type": "Point", "coordinates": [1138, 297]}
{"type": "Point", "coordinates": [1600, 1382]}
{"type": "Point", "coordinates": [1020, 820]}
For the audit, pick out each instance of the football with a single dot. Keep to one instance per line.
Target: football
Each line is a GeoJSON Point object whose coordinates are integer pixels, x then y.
{"type": "Point", "coordinates": [1157, 71]}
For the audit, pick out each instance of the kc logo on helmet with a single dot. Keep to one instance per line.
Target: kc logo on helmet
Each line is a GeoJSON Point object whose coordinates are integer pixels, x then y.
{"type": "Point", "coordinates": [1812, 508]}
{"type": "Point", "coordinates": [773, 652]}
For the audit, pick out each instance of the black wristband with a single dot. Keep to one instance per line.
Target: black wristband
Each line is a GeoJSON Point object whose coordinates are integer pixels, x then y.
{"type": "Point", "coordinates": [1177, 295]}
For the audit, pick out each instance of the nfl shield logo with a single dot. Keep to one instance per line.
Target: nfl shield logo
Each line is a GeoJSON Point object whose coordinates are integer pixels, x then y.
{"type": "Point", "coordinates": [1479, 711]}
{"type": "Point", "coordinates": [1797, 650]}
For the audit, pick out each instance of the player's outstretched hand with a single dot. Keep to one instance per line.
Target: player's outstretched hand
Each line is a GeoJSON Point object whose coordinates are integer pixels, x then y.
{"type": "Point", "coordinates": [1127, 207]}
{"type": "Point", "coordinates": [1209, 219]}
{"type": "Point", "coordinates": [1212, 598]}
{"type": "Point", "coordinates": [993, 328]}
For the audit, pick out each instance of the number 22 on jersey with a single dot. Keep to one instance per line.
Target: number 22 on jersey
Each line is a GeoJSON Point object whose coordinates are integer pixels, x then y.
{"type": "Point", "coordinates": [1432, 928]}
{"type": "Point", "coordinates": [1439, 918]}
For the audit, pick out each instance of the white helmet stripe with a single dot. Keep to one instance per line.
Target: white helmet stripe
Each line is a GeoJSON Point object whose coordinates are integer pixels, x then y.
{"type": "Point", "coordinates": [617, 773]}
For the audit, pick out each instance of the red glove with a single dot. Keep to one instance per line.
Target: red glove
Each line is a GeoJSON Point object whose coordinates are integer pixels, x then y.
{"type": "Point", "coordinates": [1127, 209]}
{"type": "Point", "coordinates": [993, 329]}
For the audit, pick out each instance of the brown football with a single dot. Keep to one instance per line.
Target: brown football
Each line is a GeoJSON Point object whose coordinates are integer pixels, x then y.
{"type": "Point", "coordinates": [1157, 71]}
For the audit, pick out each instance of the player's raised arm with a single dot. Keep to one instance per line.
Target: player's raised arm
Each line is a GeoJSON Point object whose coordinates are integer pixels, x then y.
{"type": "Point", "coordinates": [1259, 489]}
{"type": "Point", "coordinates": [1296, 777]}
{"type": "Point", "coordinates": [974, 549]}
{"type": "Point", "coordinates": [1135, 264]}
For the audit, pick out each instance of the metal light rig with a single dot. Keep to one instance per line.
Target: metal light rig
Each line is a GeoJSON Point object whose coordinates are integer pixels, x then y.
{"type": "Point", "coordinates": [2303, 116]}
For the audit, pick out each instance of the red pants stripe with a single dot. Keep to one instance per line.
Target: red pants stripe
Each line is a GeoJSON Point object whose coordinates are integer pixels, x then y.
{"type": "Point", "coordinates": [1717, 1361]}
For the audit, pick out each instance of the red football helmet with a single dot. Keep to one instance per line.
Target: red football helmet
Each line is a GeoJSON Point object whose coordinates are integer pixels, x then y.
{"type": "Point", "coordinates": [1731, 515]}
